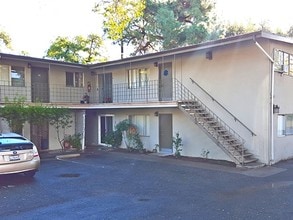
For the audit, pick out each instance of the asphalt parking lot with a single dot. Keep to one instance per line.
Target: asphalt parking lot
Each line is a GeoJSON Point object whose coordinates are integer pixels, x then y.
{"type": "Point", "coordinates": [115, 185]}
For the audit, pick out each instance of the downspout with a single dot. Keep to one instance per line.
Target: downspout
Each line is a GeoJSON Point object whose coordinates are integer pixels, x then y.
{"type": "Point", "coordinates": [272, 95]}
{"type": "Point", "coordinates": [83, 131]}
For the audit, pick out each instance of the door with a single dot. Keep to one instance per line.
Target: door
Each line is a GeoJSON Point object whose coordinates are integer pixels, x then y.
{"type": "Point", "coordinates": [105, 88]}
{"type": "Point", "coordinates": [40, 86]}
{"type": "Point", "coordinates": [106, 126]}
{"type": "Point", "coordinates": [165, 132]}
{"type": "Point", "coordinates": [40, 135]}
{"type": "Point", "coordinates": [165, 82]}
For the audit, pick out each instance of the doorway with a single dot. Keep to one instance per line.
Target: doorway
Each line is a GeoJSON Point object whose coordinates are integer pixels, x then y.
{"type": "Point", "coordinates": [165, 132]}
{"type": "Point", "coordinates": [40, 86]}
{"type": "Point", "coordinates": [105, 88]}
{"type": "Point", "coordinates": [105, 126]}
{"type": "Point", "coordinates": [40, 135]}
{"type": "Point", "coordinates": [165, 82]}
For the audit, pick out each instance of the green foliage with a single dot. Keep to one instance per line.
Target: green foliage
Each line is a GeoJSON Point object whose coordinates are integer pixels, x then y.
{"type": "Point", "coordinates": [74, 140]}
{"type": "Point", "coordinates": [177, 143]}
{"type": "Point", "coordinates": [5, 40]}
{"type": "Point", "coordinates": [133, 141]}
{"type": "Point", "coordinates": [15, 113]}
{"type": "Point", "coordinates": [114, 138]}
{"type": "Point", "coordinates": [61, 119]}
{"type": "Point", "coordinates": [159, 25]}
{"type": "Point", "coordinates": [77, 50]}
{"type": "Point", "coordinates": [118, 14]}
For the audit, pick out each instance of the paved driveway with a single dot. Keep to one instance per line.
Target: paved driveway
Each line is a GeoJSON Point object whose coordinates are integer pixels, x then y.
{"type": "Point", "coordinates": [112, 185]}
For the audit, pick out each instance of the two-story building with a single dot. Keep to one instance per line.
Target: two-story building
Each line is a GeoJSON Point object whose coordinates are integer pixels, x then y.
{"type": "Point", "coordinates": [228, 99]}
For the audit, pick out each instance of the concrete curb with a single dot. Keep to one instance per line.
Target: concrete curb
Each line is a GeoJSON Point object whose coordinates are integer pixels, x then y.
{"type": "Point", "coordinates": [67, 156]}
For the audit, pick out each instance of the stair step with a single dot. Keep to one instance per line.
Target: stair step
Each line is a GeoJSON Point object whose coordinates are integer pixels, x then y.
{"type": "Point", "coordinates": [246, 161]}
{"type": "Point", "coordinates": [217, 130]}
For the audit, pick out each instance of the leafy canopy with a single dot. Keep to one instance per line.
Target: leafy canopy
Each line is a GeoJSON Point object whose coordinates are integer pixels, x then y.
{"type": "Point", "coordinates": [5, 40]}
{"type": "Point", "coordinates": [157, 25]}
{"type": "Point", "coordinates": [77, 50]}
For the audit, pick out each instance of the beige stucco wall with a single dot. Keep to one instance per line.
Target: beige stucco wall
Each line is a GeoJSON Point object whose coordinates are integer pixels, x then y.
{"type": "Point", "coordinates": [238, 77]}
{"type": "Point", "coordinates": [282, 146]}
{"type": "Point", "coordinates": [194, 139]}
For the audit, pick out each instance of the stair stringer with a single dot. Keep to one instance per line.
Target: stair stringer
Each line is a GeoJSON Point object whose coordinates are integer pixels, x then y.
{"type": "Point", "coordinates": [218, 132]}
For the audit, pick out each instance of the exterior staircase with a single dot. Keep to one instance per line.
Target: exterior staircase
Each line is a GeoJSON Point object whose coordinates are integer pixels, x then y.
{"type": "Point", "coordinates": [223, 135]}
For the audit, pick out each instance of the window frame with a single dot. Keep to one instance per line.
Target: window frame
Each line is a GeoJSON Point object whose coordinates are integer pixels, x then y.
{"type": "Point", "coordinates": [13, 81]}
{"type": "Point", "coordinates": [285, 125]}
{"type": "Point", "coordinates": [142, 122]}
{"type": "Point", "coordinates": [74, 79]}
{"type": "Point", "coordinates": [283, 62]}
{"type": "Point", "coordinates": [137, 77]}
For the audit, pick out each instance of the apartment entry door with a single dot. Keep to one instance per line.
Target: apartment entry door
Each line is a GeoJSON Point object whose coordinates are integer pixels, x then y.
{"type": "Point", "coordinates": [105, 126]}
{"type": "Point", "coordinates": [165, 132]}
{"type": "Point", "coordinates": [40, 86]}
{"type": "Point", "coordinates": [105, 88]}
{"type": "Point", "coordinates": [165, 82]}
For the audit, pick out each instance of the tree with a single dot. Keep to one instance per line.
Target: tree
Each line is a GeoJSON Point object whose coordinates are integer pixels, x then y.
{"type": "Point", "coordinates": [15, 113]}
{"type": "Point", "coordinates": [76, 50]}
{"type": "Point", "coordinates": [60, 118]}
{"type": "Point", "coordinates": [238, 29]}
{"type": "Point", "coordinates": [5, 40]}
{"type": "Point", "coordinates": [162, 24]}
{"type": "Point", "coordinates": [117, 16]}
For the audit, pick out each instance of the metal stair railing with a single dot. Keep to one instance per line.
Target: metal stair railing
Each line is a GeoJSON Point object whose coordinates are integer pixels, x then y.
{"type": "Point", "coordinates": [185, 95]}
{"type": "Point", "coordinates": [225, 109]}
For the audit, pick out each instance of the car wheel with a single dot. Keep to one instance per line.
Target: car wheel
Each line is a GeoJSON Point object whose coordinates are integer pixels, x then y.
{"type": "Point", "coordinates": [30, 173]}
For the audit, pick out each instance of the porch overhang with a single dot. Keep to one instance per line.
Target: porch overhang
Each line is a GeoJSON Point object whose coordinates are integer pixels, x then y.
{"type": "Point", "coordinates": [161, 104]}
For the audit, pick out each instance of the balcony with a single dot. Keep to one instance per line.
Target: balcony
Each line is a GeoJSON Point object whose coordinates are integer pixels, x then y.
{"type": "Point", "coordinates": [149, 91]}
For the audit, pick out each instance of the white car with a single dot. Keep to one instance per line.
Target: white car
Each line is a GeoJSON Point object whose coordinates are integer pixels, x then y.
{"type": "Point", "coordinates": [18, 155]}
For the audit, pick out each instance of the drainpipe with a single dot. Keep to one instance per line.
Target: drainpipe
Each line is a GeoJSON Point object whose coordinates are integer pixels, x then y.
{"type": "Point", "coordinates": [272, 94]}
{"type": "Point", "coordinates": [83, 131]}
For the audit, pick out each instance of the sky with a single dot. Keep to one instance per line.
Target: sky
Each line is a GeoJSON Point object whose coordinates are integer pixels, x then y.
{"type": "Point", "coordinates": [34, 24]}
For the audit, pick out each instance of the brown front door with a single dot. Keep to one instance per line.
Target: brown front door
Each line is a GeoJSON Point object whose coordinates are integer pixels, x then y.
{"type": "Point", "coordinates": [165, 131]}
{"type": "Point", "coordinates": [165, 82]}
{"type": "Point", "coordinates": [40, 86]}
{"type": "Point", "coordinates": [40, 136]}
{"type": "Point", "coordinates": [105, 88]}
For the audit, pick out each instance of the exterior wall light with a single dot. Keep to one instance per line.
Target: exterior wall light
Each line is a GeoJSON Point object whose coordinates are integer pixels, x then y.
{"type": "Point", "coordinates": [276, 109]}
{"type": "Point", "coordinates": [209, 55]}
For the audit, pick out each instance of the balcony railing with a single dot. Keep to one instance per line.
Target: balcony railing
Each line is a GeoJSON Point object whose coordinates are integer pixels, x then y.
{"type": "Point", "coordinates": [143, 92]}
{"type": "Point", "coordinates": [148, 91]}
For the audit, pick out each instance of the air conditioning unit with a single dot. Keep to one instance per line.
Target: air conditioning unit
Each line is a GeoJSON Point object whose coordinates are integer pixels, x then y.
{"type": "Point", "coordinates": [284, 68]}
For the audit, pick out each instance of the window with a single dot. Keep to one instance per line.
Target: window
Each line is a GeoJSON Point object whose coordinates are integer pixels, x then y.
{"type": "Point", "coordinates": [74, 79]}
{"type": "Point", "coordinates": [137, 78]}
{"type": "Point", "coordinates": [283, 62]}
{"type": "Point", "coordinates": [285, 125]}
{"type": "Point", "coordinates": [17, 76]}
{"type": "Point", "coordinates": [12, 75]}
{"type": "Point", "coordinates": [142, 122]}
{"type": "Point", "coordinates": [4, 74]}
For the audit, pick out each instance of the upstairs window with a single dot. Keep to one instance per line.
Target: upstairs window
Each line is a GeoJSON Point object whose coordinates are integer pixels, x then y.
{"type": "Point", "coordinates": [12, 75]}
{"type": "Point", "coordinates": [283, 62]}
{"type": "Point", "coordinates": [17, 76]}
{"type": "Point", "coordinates": [74, 79]}
{"type": "Point", "coordinates": [137, 77]}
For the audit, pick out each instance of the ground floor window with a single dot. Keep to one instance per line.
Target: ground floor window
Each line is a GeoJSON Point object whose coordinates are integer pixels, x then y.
{"type": "Point", "coordinates": [142, 122]}
{"type": "Point", "coordinates": [285, 125]}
